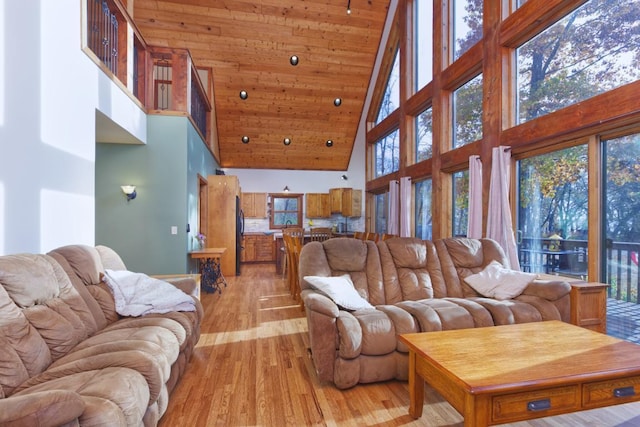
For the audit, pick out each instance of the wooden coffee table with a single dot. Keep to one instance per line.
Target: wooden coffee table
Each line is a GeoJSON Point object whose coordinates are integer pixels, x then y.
{"type": "Point", "coordinates": [511, 373]}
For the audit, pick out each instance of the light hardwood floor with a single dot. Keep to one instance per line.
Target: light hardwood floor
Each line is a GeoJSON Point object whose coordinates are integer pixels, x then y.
{"type": "Point", "coordinates": [252, 368]}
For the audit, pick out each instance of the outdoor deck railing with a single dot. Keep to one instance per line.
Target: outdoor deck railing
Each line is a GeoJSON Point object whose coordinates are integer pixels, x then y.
{"type": "Point", "coordinates": [569, 258]}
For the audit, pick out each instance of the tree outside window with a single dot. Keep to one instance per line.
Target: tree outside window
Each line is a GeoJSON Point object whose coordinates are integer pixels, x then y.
{"type": "Point", "coordinates": [460, 203]}
{"type": "Point", "coordinates": [467, 113]}
{"type": "Point", "coordinates": [467, 25]}
{"type": "Point", "coordinates": [423, 214]}
{"type": "Point", "coordinates": [424, 135]}
{"type": "Point", "coordinates": [388, 154]}
{"type": "Point", "coordinates": [592, 50]}
{"type": "Point", "coordinates": [391, 98]}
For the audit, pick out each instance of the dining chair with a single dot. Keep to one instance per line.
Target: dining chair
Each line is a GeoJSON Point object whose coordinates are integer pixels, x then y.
{"type": "Point", "coordinates": [372, 236]}
{"type": "Point", "coordinates": [320, 234]}
{"type": "Point", "coordinates": [359, 235]}
{"type": "Point", "coordinates": [386, 236]}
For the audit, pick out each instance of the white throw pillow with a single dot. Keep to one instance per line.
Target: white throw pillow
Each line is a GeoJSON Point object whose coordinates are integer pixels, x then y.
{"type": "Point", "coordinates": [498, 282]}
{"type": "Point", "coordinates": [340, 289]}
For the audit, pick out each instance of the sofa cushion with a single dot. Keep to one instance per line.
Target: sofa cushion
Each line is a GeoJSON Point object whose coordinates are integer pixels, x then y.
{"type": "Point", "coordinates": [112, 396]}
{"type": "Point", "coordinates": [85, 261]}
{"type": "Point", "coordinates": [411, 269]}
{"type": "Point", "coordinates": [28, 279]}
{"type": "Point", "coordinates": [110, 258]}
{"type": "Point", "coordinates": [340, 289]}
{"type": "Point", "coordinates": [498, 282]}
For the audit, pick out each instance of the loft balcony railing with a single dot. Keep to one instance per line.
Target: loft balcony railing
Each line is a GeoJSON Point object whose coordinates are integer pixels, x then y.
{"type": "Point", "coordinates": [161, 80]}
{"type": "Point", "coordinates": [569, 257]}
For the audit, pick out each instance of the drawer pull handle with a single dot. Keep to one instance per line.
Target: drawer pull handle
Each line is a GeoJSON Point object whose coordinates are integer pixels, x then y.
{"type": "Point", "coordinates": [539, 405]}
{"type": "Point", "coordinates": [624, 392]}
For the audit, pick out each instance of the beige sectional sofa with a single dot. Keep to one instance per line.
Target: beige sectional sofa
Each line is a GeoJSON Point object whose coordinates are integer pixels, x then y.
{"type": "Point", "coordinates": [68, 358]}
{"type": "Point", "coordinates": [412, 285]}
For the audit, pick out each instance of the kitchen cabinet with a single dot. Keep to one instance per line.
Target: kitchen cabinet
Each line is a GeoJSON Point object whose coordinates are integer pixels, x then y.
{"type": "Point", "coordinates": [258, 247]}
{"type": "Point", "coordinates": [346, 201]}
{"type": "Point", "coordinates": [254, 205]}
{"type": "Point", "coordinates": [317, 205]}
{"type": "Point", "coordinates": [351, 202]}
{"type": "Point", "coordinates": [335, 194]}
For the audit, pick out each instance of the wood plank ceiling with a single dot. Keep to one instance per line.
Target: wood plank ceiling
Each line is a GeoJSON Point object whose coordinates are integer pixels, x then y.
{"type": "Point", "coordinates": [248, 45]}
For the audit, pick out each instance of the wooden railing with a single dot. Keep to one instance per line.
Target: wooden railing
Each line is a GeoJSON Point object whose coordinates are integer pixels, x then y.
{"type": "Point", "coordinates": [162, 80]}
{"type": "Point", "coordinates": [569, 258]}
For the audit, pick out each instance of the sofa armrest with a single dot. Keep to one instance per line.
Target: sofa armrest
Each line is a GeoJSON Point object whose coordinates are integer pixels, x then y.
{"type": "Point", "coordinates": [322, 314]}
{"type": "Point", "coordinates": [187, 283]}
{"type": "Point", "coordinates": [319, 303]}
{"type": "Point", "coordinates": [43, 408]}
{"type": "Point", "coordinates": [551, 290]}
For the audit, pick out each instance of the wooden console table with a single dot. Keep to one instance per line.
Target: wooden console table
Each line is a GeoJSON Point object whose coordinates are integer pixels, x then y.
{"type": "Point", "coordinates": [211, 274]}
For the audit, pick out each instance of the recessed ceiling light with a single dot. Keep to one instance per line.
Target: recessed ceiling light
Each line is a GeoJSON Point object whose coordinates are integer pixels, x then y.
{"type": "Point", "coordinates": [294, 60]}
{"type": "Point", "coordinates": [337, 102]}
{"type": "Point", "coordinates": [245, 139]}
{"type": "Point", "coordinates": [244, 94]}
{"type": "Point", "coordinates": [329, 143]}
{"type": "Point", "coordinates": [286, 141]}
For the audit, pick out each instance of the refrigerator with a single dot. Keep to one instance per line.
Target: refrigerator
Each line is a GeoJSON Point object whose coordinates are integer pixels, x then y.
{"type": "Point", "coordinates": [225, 222]}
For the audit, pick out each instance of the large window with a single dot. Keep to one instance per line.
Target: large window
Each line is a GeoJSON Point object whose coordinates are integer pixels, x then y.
{"type": "Point", "coordinates": [467, 113]}
{"type": "Point", "coordinates": [424, 42]}
{"type": "Point", "coordinates": [388, 154]}
{"type": "Point", "coordinates": [622, 217]}
{"type": "Point", "coordinates": [467, 25]}
{"type": "Point", "coordinates": [593, 49]}
{"type": "Point", "coordinates": [391, 98]}
{"type": "Point", "coordinates": [424, 135]}
{"type": "Point", "coordinates": [460, 203]}
{"type": "Point", "coordinates": [382, 207]}
{"type": "Point", "coordinates": [553, 212]}
{"type": "Point", "coordinates": [423, 216]}
{"type": "Point", "coordinates": [286, 210]}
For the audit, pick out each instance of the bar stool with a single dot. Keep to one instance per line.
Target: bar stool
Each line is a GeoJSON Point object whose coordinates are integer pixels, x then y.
{"type": "Point", "coordinates": [293, 239]}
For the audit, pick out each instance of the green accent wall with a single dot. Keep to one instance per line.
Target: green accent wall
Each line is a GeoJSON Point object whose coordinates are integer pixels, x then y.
{"type": "Point", "coordinates": [165, 173]}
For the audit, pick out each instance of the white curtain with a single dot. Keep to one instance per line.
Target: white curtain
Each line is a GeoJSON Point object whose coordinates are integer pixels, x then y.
{"type": "Point", "coordinates": [499, 225]}
{"type": "Point", "coordinates": [405, 206]}
{"type": "Point", "coordinates": [474, 224]}
{"type": "Point", "coordinates": [393, 214]}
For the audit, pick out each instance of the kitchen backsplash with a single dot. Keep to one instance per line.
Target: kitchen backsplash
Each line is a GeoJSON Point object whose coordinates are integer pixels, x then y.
{"type": "Point", "coordinates": [260, 225]}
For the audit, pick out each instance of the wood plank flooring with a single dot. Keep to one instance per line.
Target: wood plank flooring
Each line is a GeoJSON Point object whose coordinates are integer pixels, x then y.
{"type": "Point", "coordinates": [252, 368]}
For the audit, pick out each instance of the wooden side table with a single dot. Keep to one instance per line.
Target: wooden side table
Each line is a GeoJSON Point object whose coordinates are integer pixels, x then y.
{"type": "Point", "coordinates": [589, 305]}
{"type": "Point", "coordinates": [211, 277]}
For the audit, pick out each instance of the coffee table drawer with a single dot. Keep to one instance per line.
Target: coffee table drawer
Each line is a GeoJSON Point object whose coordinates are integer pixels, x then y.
{"type": "Point", "coordinates": [611, 392]}
{"type": "Point", "coordinates": [539, 403]}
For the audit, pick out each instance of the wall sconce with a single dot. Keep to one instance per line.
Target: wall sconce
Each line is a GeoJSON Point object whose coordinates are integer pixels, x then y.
{"type": "Point", "coordinates": [344, 177]}
{"type": "Point", "coordinates": [286, 189]}
{"type": "Point", "coordinates": [129, 191]}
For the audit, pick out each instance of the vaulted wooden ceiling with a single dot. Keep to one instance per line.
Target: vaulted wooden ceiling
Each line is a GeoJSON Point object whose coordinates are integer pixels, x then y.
{"type": "Point", "coordinates": [248, 45]}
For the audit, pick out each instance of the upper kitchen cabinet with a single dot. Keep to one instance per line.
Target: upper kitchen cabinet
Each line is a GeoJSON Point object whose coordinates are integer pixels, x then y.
{"type": "Point", "coordinates": [254, 205]}
{"type": "Point", "coordinates": [346, 201]}
{"type": "Point", "coordinates": [318, 205]}
{"type": "Point", "coordinates": [335, 194]}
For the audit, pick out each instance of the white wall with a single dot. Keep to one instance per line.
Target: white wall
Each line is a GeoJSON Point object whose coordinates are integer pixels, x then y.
{"type": "Point", "coordinates": [49, 92]}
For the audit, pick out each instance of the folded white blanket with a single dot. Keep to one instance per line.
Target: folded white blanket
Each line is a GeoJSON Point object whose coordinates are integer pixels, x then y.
{"type": "Point", "coordinates": [136, 294]}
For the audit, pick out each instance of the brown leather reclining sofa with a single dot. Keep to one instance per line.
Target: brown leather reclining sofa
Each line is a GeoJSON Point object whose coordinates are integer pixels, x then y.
{"type": "Point", "coordinates": [414, 286]}
{"type": "Point", "coordinates": [67, 357]}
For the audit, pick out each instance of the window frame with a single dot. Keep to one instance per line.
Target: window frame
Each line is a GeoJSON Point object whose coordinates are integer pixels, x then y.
{"type": "Point", "coordinates": [272, 212]}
